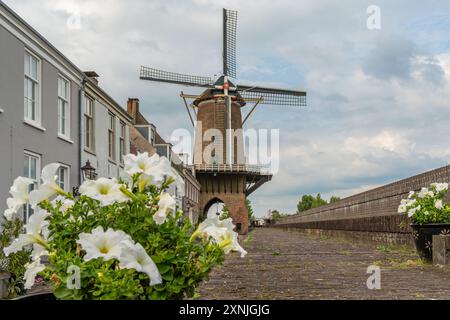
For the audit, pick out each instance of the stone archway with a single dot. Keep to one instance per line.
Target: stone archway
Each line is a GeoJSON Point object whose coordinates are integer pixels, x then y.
{"type": "Point", "coordinates": [235, 204]}
{"type": "Point", "coordinates": [211, 204]}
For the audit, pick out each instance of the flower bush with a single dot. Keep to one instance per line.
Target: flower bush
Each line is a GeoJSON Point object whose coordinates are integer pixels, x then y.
{"type": "Point", "coordinates": [15, 263]}
{"type": "Point", "coordinates": [427, 205]}
{"type": "Point", "coordinates": [120, 239]}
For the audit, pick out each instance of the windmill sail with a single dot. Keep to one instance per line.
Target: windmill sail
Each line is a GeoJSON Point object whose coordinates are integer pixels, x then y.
{"type": "Point", "coordinates": [229, 42]}
{"type": "Point", "coordinates": [176, 78]}
{"type": "Point", "coordinates": [273, 95]}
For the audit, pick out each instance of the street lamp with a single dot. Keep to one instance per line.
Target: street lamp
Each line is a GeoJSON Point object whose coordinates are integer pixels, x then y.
{"type": "Point", "coordinates": [88, 171]}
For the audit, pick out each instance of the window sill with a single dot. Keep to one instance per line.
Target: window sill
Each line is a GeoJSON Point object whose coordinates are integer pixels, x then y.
{"type": "Point", "coordinates": [66, 139]}
{"type": "Point", "coordinates": [90, 151]}
{"type": "Point", "coordinates": [111, 161]}
{"type": "Point", "coordinates": [34, 125]}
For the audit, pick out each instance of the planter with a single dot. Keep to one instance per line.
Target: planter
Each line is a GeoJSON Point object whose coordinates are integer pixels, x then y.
{"type": "Point", "coordinates": [423, 237]}
{"type": "Point", "coordinates": [37, 296]}
{"type": "Point", "coordinates": [4, 284]}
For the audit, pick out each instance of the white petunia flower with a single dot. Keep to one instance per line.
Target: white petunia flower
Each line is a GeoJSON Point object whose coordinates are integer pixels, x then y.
{"type": "Point", "coordinates": [440, 186]}
{"type": "Point", "coordinates": [153, 170]}
{"type": "Point", "coordinates": [140, 163]}
{"type": "Point", "coordinates": [166, 204]}
{"type": "Point", "coordinates": [135, 257]}
{"type": "Point", "coordinates": [411, 194]}
{"type": "Point", "coordinates": [19, 192]}
{"type": "Point", "coordinates": [404, 202]}
{"type": "Point", "coordinates": [49, 187]}
{"type": "Point", "coordinates": [424, 192]}
{"type": "Point", "coordinates": [31, 272]}
{"type": "Point", "coordinates": [402, 209]}
{"type": "Point", "coordinates": [66, 204]}
{"type": "Point", "coordinates": [438, 204]}
{"type": "Point", "coordinates": [101, 244]}
{"type": "Point", "coordinates": [226, 239]}
{"type": "Point", "coordinates": [412, 211]}
{"type": "Point", "coordinates": [217, 222]}
{"type": "Point", "coordinates": [35, 233]}
{"type": "Point", "coordinates": [38, 252]}
{"type": "Point", "coordinates": [107, 191]}
{"type": "Point", "coordinates": [164, 169]}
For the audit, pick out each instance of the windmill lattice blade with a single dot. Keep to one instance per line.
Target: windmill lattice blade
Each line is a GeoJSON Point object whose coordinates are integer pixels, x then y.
{"type": "Point", "coordinates": [229, 42]}
{"type": "Point", "coordinates": [274, 96]}
{"type": "Point", "coordinates": [176, 78]}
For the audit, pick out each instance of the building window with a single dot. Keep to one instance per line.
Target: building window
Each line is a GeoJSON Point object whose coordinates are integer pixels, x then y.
{"type": "Point", "coordinates": [122, 141]}
{"type": "Point", "coordinates": [32, 110]}
{"type": "Point", "coordinates": [152, 137]}
{"type": "Point", "coordinates": [111, 136]}
{"type": "Point", "coordinates": [63, 107]}
{"type": "Point", "coordinates": [63, 177]}
{"type": "Point", "coordinates": [31, 169]}
{"type": "Point", "coordinates": [89, 123]}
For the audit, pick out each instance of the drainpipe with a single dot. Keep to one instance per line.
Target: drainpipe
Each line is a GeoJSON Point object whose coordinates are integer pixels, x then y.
{"type": "Point", "coordinates": [80, 129]}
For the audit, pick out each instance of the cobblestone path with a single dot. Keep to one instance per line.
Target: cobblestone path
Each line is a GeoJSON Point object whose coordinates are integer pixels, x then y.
{"type": "Point", "coordinates": [290, 265]}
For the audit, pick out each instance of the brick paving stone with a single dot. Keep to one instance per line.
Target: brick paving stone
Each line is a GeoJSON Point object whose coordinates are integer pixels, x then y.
{"type": "Point", "coordinates": [291, 265]}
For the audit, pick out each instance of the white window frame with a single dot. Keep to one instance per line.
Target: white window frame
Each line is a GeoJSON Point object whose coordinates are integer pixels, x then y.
{"type": "Point", "coordinates": [66, 177]}
{"type": "Point", "coordinates": [66, 100]}
{"type": "Point", "coordinates": [37, 101]}
{"type": "Point", "coordinates": [122, 139]}
{"type": "Point", "coordinates": [27, 208]}
{"type": "Point", "coordinates": [92, 117]}
{"type": "Point", "coordinates": [111, 132]}
{"type": "Point", "coordinates": [152, 136]}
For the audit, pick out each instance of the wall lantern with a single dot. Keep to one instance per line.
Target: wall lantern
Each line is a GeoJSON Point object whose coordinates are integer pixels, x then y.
{"type": "Point", "coordinates": [88, 171]}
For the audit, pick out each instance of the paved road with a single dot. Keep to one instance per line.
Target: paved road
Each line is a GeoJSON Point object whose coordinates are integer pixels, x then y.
{"type": "Point", "coordinates": [290, 265]}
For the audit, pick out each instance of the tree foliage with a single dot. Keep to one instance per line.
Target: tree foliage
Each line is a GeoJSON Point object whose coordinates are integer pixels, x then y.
{"type": "Point", "coordinates": [335, 199]}
{"type": "Point", "coordinates": [309, 202]}
{"type": "Point", "coordinates": [248, 204]}
{"type": "Point", "coordinates": [276, 215]}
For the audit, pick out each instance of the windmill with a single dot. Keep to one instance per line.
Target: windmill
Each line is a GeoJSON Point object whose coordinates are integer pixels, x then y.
{"type": "Point", "coordinates": [220, 108]}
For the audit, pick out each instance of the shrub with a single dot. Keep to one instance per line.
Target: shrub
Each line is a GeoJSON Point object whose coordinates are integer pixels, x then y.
{"type": "Point", "coordinates": [427, 205]}
{"type": "Point", "coordinates": [15, 263]}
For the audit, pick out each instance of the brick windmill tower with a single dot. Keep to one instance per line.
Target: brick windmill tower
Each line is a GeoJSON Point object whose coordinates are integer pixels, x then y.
{"type": "Point", "coordinates": [219, 158]}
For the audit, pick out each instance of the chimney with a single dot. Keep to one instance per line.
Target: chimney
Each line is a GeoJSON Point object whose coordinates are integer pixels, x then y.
{"type": "Point", "coordinates": [133, 108]}
{"type": "Point", "coordinates": [92, 75]}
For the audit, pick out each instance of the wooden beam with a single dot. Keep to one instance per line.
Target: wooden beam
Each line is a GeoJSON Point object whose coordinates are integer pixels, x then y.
{"type": "Point", "coordinates": [187, 108]}
{"type": "Point", "coordinates": [254, 107]}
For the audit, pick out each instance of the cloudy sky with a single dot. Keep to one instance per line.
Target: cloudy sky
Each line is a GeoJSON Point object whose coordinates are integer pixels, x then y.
{"type": "Point", "coordinates": [378, 100]}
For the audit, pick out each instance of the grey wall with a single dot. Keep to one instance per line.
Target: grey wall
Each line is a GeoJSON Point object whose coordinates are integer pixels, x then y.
{"type": "Point", "coordinates": [99, 158]}
{"type": "Point", "coordinates": [15, 135]}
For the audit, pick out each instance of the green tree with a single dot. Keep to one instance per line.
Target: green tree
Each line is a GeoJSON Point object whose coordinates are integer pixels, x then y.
{"type": "Point", "coordinates": [335, 199]}
{"type": "Point", "coordinates": [248, 204]}
{"type": "Point", "coordinates": [308, 202]}
{"type": "Point", "coordinates": [276, 215]}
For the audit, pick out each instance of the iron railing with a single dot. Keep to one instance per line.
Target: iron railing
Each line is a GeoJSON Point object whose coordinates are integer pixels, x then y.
{"type": "Point", "coordinates": [235, 168]}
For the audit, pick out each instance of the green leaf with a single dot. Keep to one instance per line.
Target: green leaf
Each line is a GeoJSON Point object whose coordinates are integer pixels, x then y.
{"type": "Point", "coordinates": [167, 276]}
{"type": "Point", "coordinates": [163, 268]}
{"type": "Point", "coordinates": [62, 292]}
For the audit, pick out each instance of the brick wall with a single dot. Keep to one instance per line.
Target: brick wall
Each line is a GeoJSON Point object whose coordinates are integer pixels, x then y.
{"type": "Point", "coordinates": [371, 211]}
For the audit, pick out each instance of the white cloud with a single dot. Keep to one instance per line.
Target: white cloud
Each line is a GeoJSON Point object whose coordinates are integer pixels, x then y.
{"type": "Point", "coordinates": [378, 145]}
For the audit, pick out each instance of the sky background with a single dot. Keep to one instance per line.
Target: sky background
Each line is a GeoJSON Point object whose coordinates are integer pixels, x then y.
{"type": "Point", "coordinates": [378, 100]}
